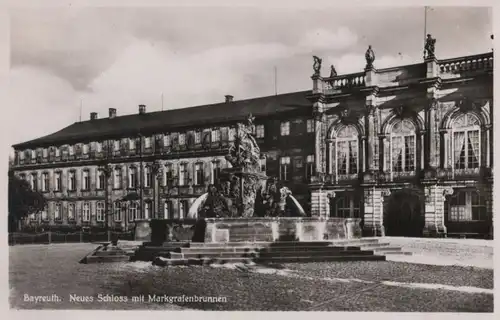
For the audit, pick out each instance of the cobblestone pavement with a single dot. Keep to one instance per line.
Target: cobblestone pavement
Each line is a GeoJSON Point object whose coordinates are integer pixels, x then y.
{"type": "Point", "coordinates": [43, 270]}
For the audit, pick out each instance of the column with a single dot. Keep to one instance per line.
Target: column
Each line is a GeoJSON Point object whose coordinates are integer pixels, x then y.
{"type": "Point", "coordinates": [431, 160]}
{"type": "Point", "coordinates": [318, 141]}
{"type": "Point", "coordinates": [370, 132]}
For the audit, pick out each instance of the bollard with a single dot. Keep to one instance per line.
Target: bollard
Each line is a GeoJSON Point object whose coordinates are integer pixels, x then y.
{"type": "Point", "coordinates": [50, 237]}
{"type": "Point", "coordinates": [81, 236]}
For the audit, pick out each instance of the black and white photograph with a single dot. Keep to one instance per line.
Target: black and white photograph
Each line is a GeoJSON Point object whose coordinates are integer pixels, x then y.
{"type": "Point", "coordinates": [221, 157]}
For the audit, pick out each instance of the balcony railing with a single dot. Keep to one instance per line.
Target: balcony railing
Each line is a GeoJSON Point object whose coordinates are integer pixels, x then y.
{"type": "Point", "coordinates": [457, 66]}
{"type": "Point", "coordinates": [330, 85]}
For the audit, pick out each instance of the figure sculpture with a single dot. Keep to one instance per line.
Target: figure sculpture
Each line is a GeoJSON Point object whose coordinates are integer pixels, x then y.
{"type": "Point", "coordinates": [333, 72]}
{"type": "Point", "coordinates": [370, 57]}
{"type": "Point", "coordinates": [317, 65]}
{"type": "Point", "coordinates": [430, 47]}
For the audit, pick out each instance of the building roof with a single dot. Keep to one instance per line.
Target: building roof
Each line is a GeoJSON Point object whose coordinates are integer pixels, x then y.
{"type": "Point", "coordinates": [170, 119]}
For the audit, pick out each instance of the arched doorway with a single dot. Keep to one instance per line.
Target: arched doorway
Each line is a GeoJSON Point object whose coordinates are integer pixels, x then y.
{"type": "Point", "coordinates": [403, 216]}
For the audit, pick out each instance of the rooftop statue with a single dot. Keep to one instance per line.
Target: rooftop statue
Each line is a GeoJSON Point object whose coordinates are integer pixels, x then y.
{"type": "Point", "coordinates": [317, 65]}
{"type": "Point", "coordinates": [370, 57]}
{"type": "Point", "coordinates": [333, 72]}
{"type": "Point", "coordinates": [430, 47]}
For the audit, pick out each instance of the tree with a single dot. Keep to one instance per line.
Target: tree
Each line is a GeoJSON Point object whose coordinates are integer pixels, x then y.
{"type": "Point", "coordinates": [23, 201]}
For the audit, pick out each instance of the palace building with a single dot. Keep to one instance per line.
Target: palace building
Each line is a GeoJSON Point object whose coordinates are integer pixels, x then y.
{"type": "Point", "coordinates": [408, 149]}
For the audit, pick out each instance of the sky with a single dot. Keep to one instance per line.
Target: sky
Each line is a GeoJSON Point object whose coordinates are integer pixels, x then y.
{"type": "Point", "coordinates": [102, 58]}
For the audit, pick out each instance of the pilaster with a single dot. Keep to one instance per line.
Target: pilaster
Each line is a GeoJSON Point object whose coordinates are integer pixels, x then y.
{"type": "Point", "coordinates": [373, 211]}
{"type": "Point", "coordinates": [435, 197]}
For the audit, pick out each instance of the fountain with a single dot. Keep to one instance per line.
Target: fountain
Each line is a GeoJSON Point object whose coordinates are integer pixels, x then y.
{"type": "Point", "coordinates": [246, 205]}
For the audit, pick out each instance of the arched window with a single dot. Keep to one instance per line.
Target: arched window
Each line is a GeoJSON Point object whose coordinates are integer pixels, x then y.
{"type": "Point", "coordinates": [345, 206]}
{"type": "Point", "coordinates": [346, 151]}
{"type": "Point", "coordinates": [466, 137]}
{"type": "Point", "coordinates": [403, 146]}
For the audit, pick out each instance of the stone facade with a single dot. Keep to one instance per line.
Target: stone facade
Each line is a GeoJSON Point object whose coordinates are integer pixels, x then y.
{"type": "Point", "coordinates": [424, 129]}
{"type": "Point", "coordinates": [415, 139]}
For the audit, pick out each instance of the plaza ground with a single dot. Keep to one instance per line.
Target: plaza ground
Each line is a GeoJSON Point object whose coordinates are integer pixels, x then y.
{"type": "Point", "coordinates": [43, 270]}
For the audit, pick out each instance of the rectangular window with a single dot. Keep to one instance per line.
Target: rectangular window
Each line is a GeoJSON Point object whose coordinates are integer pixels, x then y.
{"type": "Point", "coordinates": [98, 147]}
{"type": "Point", "coordinates": [310, 166]}
{"type": "Point", "coordinates": [397, 154]}
{"type": "Point", "coordinates": [183, 175]}
{"type": "Point", "coordinates": [231, 134]}
{"type": "Point", "coordinates": [57, 211]}
{"type": "Point", "coordinates": [132, 211]}
{"type": "Point", "coordinates": [467, 206]}
{"type": "Point", "coordinates": [310, 125]}
{"type": "Point", "coordinates": [199, 174]}
{"type": "Point", "coordinates": [71, 211]}
{"type": "Point", "coordinates": [132, 144]}
{"type": "Point", "coordinates": [58, 181]}
{"type": "Point", "coordinates": [197, 137]}
{"type": "Point", "coordinates": [85, 149]}
{"type": "Point", "coordinates": [117, 211]}
{"type": "Point", "coordinates": [182, 139]}
{"type": "Point", "coordinates": [86, 180]}
{"type": "Point", "coordinates": [33, 154]}
{"type": "Point", "coordinates": [215, 135]}
{"type": "Point", "coordinates": [100, 212]}
{"type": "Point", "coordinates": [101, 177]}
{"type": "Point", "coordinates": [58, 152]}
{"type": "Point", "coordinates": [44, 214]}
{"type": "Point", "coordinates": [285, 128]}
{"type": "Point", "coordinates": [263, 164]}
{"type": "Point", "coordinates": [166, 140]}
{"type": "Point", "coordinates": [45, 153]}
{"type": "Point", "coordinates": [215, 171]}
{"type": "Point", "coordinates": [285, 168]}
{"type": "Point", "coordinates": [116, 145]}
{"type": "Point", "coordinates": [147, 142]}
{"type": "Point", "coordinates": [132, 178]}
{"type": "Point", "coordinates": [183, 208]}
{"type": "Point", "coordinates": [168, 212]}
{"type": "Point", "coordinates": [147, 210]}
{"type": "Point", "coordinates": [71, 150]}
{"type": "Point", "coordinates": [473, 149]}
{"type": "Point", "coordinates": [168, 176]}
{"type": "Point", "coordinates": [72, 180]}
{"type": "Point", "coordinates": [33, 181]}
{"type": "Point", "coordinates": [86, 212]}
{"type": "Point", "coordinates": [259, 131]}
{"type": "Point", "coordinates": [147, 177]}
{"type": "Point", "coordinates": [45, 181]}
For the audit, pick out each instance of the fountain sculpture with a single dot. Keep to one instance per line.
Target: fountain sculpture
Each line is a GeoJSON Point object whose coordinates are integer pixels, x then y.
{"type": "Point", "coordinates": [246, 205]}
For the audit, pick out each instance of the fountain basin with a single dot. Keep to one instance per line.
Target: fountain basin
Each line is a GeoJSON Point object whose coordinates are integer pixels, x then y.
{"type": "Point", "coordinates": [281, 229]}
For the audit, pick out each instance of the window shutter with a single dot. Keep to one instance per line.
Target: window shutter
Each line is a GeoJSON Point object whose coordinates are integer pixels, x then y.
{"type": "Point", "coordinates": [93, 176]}
{"type": "Point", "coordinates": [174, 140]}
{"type": "Point", "coordinates": [207, 168]}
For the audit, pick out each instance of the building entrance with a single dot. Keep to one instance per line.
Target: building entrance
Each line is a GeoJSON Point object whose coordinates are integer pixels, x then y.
{"type": "Point", "coordinates": [403, 216]}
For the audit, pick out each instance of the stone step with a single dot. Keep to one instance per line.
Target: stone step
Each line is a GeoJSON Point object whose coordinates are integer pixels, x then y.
{"type": "Point", "coordinates": [227, 244]}
{"type": "Point", "coordinates": [175, 255]}
{"type": "Point", "coordinates": [324, 253]}
{"type": "Point", "coordinates": [375, 244]}
{"type": "Point", "coordinates": [323, 258]}
{"type": "Point", "coordinates": [212, 250]}
{"type": "Point", "coordinates": [354, 241]}
{"type": "Point", "coordinates": [384, 252]}
{"type": "Point", "coordinates": [160, 261]}
{"type": "Point", "coordinates": [383, 248]}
